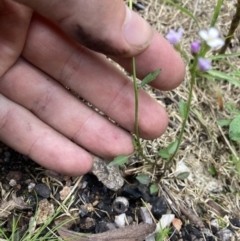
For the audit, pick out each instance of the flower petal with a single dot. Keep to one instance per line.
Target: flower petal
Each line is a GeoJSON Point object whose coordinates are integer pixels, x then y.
{"type": "Point", "coordinates": [180, 32]}
{"type": "Point", "coordinates": [195, 46]}
{"type": "Point", "coordinates": [204, 64]}
{"type": "Point", "coordinates": [213, 33]}
{"type": "Point", "coordinates": [215, 43]}
{"type": "Point", "coordinates": [203, 34]}
{"type": "Point", "coordinates": [174, 37]}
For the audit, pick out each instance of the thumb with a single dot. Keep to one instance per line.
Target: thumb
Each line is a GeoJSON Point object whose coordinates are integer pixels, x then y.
{"type": "Point", "coordinates": [105, 26]}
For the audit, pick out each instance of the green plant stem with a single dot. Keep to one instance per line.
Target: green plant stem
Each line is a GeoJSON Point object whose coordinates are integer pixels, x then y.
{"type": "Point", "coordinates": [234, 25]}
{"type": "Point", "coordinates": [136, 99]}
{"type": "Point", "coordinates": [192, 82]}
{"type": "Point", "coordinates": [136, 89]}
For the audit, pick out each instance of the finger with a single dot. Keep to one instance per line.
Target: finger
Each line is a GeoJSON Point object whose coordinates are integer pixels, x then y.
{"type": "Point", "coordinates": [52, 103]}
{"type": "Point", "coordinates": [159, 55]}
{"type": "Point", "coordinates": [21, 130]}
{"type": "Point", "coordinates": [94, 78]}
{"type": "Point", "coordinates": [14, 22]}
{"type": "Point", "coordinates": [105, 26]}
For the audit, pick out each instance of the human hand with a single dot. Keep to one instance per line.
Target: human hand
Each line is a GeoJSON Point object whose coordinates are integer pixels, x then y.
{"type": "Point", "coordinates": [41, 52]}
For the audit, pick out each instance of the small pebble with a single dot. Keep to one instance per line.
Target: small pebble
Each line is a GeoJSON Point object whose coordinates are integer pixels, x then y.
{"type": "Point", "coordinates": [145, 215]}
{"type": "Point", "coordinates": [235, 222]}
{"type": "Point", "coordinates": [159, 206]}
{"type": "Point", "coordinates": [84, 184]}
{"type": "Point", "coordinates": [42, 190]}
{"type": "Point", "coordinates": [103, 226]}
{"type": "Point", "coordinates": [120, 220]}
{"type": "Point", "coordinates": [87, 224]}
{"type": "Point", "coordinates": [225, 234]}
{"type": "Point", "coordinates": [16, 175]}
{"type": "Point", "coordinates": [65, 192]}
{"type": "Point", "coordinates": [31, 185]}
{"type": "Point", "coordinates": [12, 183]}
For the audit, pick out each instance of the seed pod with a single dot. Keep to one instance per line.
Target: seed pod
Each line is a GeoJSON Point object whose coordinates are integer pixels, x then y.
{"type": "Point", "coordinates": [120, 205]}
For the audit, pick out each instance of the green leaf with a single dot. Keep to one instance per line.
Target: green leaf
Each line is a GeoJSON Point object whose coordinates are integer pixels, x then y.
{"type": "Point", "coordinates": [235, 73]}
{"type": "Point", "coordinates": [150, 77]}
{"type": "Point", "coordinates": [221, 75]}
{"type": "Point", "coordinates": [230, 106]}
{"type": "Point", "coordinates": [168, 151]}
{"type": "Point", "coordinates": [224, 122]}
{"type": "Point", "coordinates": [143, 179]}
{"type": "Point", "coordinates": [234, 129]}
{"type": "Point", "coordinates": [212, 170]}
{"type": "Point", "coordinates": [224, 56]}
{"type": "Point", "coordinates": [172, 147]}
{"type": "Point", "coordinates": [164, 153]}
{"type": "Point", "coordinates": [153, 188]}
{"type": "Point", "coordinates": [183, 175]}
{"type": "Point", "coordinates": [183, 108]}
{"type": "Point", "coordinates": [119, 160]}
{"type": "Point", "coordinates": [216, 12]}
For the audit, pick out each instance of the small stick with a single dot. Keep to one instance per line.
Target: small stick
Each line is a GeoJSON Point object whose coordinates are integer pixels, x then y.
{"type": "Point", "coordinates": [234, 25]}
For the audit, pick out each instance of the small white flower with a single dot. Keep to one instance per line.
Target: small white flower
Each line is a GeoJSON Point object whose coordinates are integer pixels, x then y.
{"type": "Point", "coordinates": [211, 36]}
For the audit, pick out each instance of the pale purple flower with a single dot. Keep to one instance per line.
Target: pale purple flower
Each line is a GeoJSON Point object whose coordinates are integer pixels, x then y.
{"type": "Point", "coordinates": [195, 46]}
{"type": "Point", "coordinates": [204, 64]}
{"type": "Point", "coordinates": [174, 37]}
{"type": "Point", "coordinates": [211, 36]}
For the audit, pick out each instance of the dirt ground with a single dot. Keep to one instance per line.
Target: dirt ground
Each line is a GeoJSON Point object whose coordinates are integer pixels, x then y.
{"type": "Point", "coordinates": [208, 199]}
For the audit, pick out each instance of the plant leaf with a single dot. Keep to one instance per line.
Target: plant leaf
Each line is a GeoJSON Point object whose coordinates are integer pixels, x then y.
{"type": "Point", "coordinates": [119, 160]}
{"type": "Point", "coordinates": [230, 106]}
{"type": "Point", "coordinates": [153, 188]}
{"type": "Point", "coordinates": [172, 147]}
{"type": "Point", "coordinates": [183, 108]}
{"type": "Point", "coordinates": [221, 75]}
{"type": "Point", "coordinates": [224, 122]}
{"type": "Point", "coordinates": [168, 151]}
{"type": "Point", "coordinates": [223, 56]}
{"type": "Point", "coordinates": [164, 153]}
{"type": "Point", "coordinates": [234, 129]}
{"type": "Point", "coordinates": [150, 77]}
{"type": "Point", "coordinates": [212, 170]}
{"type": "Point", "coordinates": [216, 12]}
{"type": "Point", "coordinates": [235, 73]}
{"type": "Point", "coordinates": [143, 179]}
{"type": "Point", "coordinates": [183, 175]}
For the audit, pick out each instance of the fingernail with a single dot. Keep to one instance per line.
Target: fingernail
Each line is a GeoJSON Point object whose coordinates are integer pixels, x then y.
{"type": "Point", "coordinates": [136, 30]}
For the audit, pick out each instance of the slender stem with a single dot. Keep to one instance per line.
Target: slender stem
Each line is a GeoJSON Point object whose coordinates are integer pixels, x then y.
{"type": "Point", "coordinates": [136, 99]}
{"type": "Point", "coordinates": [136, 89]}
{"type": "Point", "coordinates": [193, 76]}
